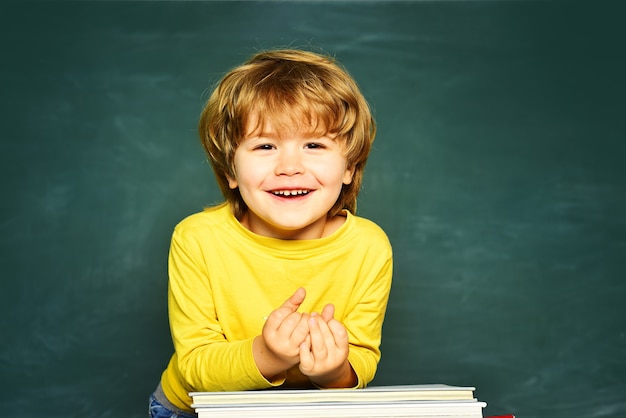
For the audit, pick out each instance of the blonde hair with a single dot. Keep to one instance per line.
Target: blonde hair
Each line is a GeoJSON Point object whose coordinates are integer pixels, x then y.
{"type": "Point", "coordinates": [309, 88]}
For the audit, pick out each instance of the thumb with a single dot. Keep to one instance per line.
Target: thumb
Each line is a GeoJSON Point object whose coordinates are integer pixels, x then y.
{"type": "Point", "coordinates": [295, 300]}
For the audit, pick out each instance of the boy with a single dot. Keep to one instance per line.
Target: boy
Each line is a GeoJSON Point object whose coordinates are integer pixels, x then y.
{"type": "Point", "coordinates": [281, 285]}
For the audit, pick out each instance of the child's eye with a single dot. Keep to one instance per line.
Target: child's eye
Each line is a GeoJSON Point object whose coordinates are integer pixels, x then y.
{"type": "Point", "coordinates": [314, 145]}
{"type": "Point", "coordinates": [264, 147]}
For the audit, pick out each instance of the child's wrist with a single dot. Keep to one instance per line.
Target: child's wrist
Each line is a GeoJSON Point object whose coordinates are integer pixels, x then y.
{"type": "Point", "coordinates": [271, 366]}
{"type": "Point", "coordinates": [343, 377]}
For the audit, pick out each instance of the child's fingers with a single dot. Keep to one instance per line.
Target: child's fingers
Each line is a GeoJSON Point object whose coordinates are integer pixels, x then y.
{"type": "Point", "coordinates": [328, 312]}
{"type": "Point", "coordinates": [289, 323]}
{"type": "Point", "coordinates": [340, 335]}
{"type": "Point", "coordinates": [307, 361]}
{"type": "Point", "coordinates": [286, 310]}
{"type": "Point", "coordinates": [300, 331]}
{"type": "Point", "coordinates": [328, 347]}
{"type": "Point", "coordinates": [321, 337]}
{"type": "Point", "coordinates": [295, 300]}
{"type": "Point", "coordinates": [283, 339]}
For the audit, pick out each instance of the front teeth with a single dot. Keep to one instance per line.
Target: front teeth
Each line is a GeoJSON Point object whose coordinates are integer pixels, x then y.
{"type": "Point", "coordinates": [290, 192]}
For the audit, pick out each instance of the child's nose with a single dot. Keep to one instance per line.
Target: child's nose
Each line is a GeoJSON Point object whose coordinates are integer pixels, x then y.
{"type": "Point", "coordinates": [289, 163]}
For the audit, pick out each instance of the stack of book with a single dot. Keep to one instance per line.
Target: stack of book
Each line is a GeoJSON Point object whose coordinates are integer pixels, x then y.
{"type": "Point", "coordinates": [421, 401]}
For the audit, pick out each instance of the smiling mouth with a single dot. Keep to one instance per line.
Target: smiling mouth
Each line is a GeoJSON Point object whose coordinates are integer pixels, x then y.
{"type": "Point", "coordinates": [290, 193]}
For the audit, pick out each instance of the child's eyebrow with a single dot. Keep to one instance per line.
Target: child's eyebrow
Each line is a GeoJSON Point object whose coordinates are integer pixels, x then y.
{"type": "Point", "coordinates": [261, 134]}
{"type": "Point", "coordinates": [258, 132]}
{"type": "Point", "coordinates": [277, 135]}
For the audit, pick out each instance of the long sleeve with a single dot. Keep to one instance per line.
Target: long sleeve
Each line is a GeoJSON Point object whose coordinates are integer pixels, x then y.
{"type": "Point", "coordinates": [205, 358]}
{"type": "Point", "coordinates": [224, 281]}
{"type": "Point", "coordinates": [364, 323]}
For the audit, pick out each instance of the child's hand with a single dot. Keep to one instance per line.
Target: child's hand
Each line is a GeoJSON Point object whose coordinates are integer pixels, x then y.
{"type": "Point", "coordinates": [278, 347]}
{"type": "Point", "coordinates": [324, 354]}
{"type": "Point", "coordinates": [285, 328]}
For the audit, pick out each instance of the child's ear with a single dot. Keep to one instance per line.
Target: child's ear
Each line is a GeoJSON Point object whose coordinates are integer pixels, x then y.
{"type": "Point", "coordinates": [232, 182]}
{"type": "Point", "coordinates": [348, 175]}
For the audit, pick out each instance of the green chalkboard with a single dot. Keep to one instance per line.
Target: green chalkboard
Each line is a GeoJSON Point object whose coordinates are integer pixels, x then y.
{"type": "Point", "coordinates": [498, 173]}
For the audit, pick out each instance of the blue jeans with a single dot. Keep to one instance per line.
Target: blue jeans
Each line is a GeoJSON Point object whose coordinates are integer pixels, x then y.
{"type": "Point", "coordinates": [159, 411]}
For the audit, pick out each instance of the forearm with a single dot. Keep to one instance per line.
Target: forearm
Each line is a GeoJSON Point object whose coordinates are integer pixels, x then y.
{"type": "Point", "coordinates": [221, 366]}
{"type": "Point", "coordinates": [364, 362]}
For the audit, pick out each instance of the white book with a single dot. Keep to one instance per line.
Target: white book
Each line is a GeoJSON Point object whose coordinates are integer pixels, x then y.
{"type": "Point", "coordinates": [432, 392]}
{"type": "Point", "coordinates": [416, 409]}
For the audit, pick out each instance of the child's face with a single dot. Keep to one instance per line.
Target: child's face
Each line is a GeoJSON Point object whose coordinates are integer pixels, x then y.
{"type": "Point", "coordinates": [289, 179]}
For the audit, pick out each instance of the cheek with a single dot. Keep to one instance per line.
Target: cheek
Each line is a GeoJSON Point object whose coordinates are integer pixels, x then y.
{"type": "Point", "coordinates": [247, 174]}
{"type": "Point", "coordinates": [335, 177]}
{"type": "Point", "coordinates": [240, 171]}
{"type": "Point", "coordinates": [334, 172]}
{"type": "Point", "coordinates": [342, 172]}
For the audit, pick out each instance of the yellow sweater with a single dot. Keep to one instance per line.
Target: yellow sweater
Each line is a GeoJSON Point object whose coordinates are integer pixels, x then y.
{"type": "Point", "coordinates": [225, 280]}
